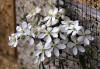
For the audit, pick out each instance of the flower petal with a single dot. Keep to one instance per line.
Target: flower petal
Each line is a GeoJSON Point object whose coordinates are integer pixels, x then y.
{"type": "Point", "coordinates": [80, 38]}
{"type": "Point", "coordinates": [48, 39]}
{"type": "Point", "coordinates": [57, 40]}
{"type": "Point", "coordinates": [41, 35]}
{"type": "Point", "coordinates": [48, 23]}
{"type": "Point", "coordinates": [54, 20]}
{"type": "Point", "coordinates": [42, 58]}
{"type": "Point", "coordinates": [81, 49]}
{"type": "Point", "coordinates": [24, 25]}
{"type": "Point", "coordinates": [47, 45]}
{"type": "Point", "coordinates": [56, 52]}
{"type": "Point", "coordinates": [39, 45]}
{"type": "Point", "coordinates": [19, 29]}
{"type": "Point", "coordinates": [86, 41]}
{"type": "Point", "coordinates": [89, 37]}
{"type": "Point", "coordinates": [75, 51]}
{"type": "Point", "coordinates": [61, 46]}
{"type": "Point", "coordinates": [63, 36]}
{"type": "Point", "coordinates": [70, 45]}
{"type": "Point", "coordinates": [37, 52]}
{"type": "Point", "coordinates": [48, 52]}
{"type": "Point", "coordinates": [87, 32]}
{"type": "Point", "coordinates": [31, 42]}
{"type": "Point", "coordinates": [74, 33]}
{"type": "Point", "coordinates": [69, 31]}
{"type": "Point", "coordinates": [55, 35]}
{"type": "Point", "coordinates": [46, 18]}
{"type": "Point", "coordinates": [55, 29]}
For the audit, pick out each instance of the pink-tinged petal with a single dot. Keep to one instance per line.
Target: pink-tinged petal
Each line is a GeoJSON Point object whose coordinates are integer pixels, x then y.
{"type": "Point", "coordinates": [87, 32]}
{"type": "Point", "coordinates": [61, 46]}
{"type": "Point", "coordinates": [56, 52]}
{"type": "Point", "coordinates": [70, 45]}
{"type": "Point", "coordinates": [86, 41]}
{"type": "Point", "coordinates": [81, 49]}
{"type": "Point", "coordinates": [75, 51]}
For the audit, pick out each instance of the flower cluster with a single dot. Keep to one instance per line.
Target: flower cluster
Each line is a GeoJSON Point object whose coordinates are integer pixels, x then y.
{"type": "Point", "coordinates": [53, 33]}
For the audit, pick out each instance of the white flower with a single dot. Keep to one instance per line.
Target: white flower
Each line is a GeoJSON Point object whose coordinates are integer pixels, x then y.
{"type": "Point", "coordinates": [56, 46]}
{"type": "Point", "coordinates": [85, 36]}
{"type": "Point", "coordinates": [25, 29]}
{"type": "Point", "coordinates": [33, 13]}
{"type": "Point", "coordinates": [65, 25]}
{"type": "Point", "coordinates": [74, 28]}
{"type": "Point", "coordinates": [51, 18]}
{"type": "Point", "coordinates": [41, 51]}
{"type": "Point", "coordinates": [75, 46]}
{"type": "Point", "coordinates": [13, 40]}
{"type": "Point", "coordinates": [47, 33]}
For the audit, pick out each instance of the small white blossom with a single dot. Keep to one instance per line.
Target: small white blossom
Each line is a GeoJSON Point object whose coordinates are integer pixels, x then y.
{"type": "Point", "coordinates": [85, 36]}
{"type": "Point", "coordinates": [75, 46]}
{"type": "Point", "coordinates": [74, 28]}
{"type": "Point", "coordinates": [13, 40]}
{"type": "Point", "coordinates": [56, 46]}
{"type": "Point", "coordinates": [47, 33]}
{"type": "Point", "coordinates": [25, 29]}
{"type": "Point", "coordinates": [51, 18]}
{"type": "Point", "coordinates": [41, 51]}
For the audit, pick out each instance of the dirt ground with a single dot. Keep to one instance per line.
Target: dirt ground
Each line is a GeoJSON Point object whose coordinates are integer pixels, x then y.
{"type": "Point", "coordinates": [92, 3]}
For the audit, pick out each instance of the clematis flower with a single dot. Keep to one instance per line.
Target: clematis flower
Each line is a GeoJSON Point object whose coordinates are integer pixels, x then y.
{"type": "Point", "coordinates": [13, 40]}
{"type": "Point", "coordinates": [85, 36]}
{"type": "Point", "coordinates": [51, 18]}
{"type": "Point", "coordinates": [74, 28]}
{"type": "Point", "coordinates": [75, 46]}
